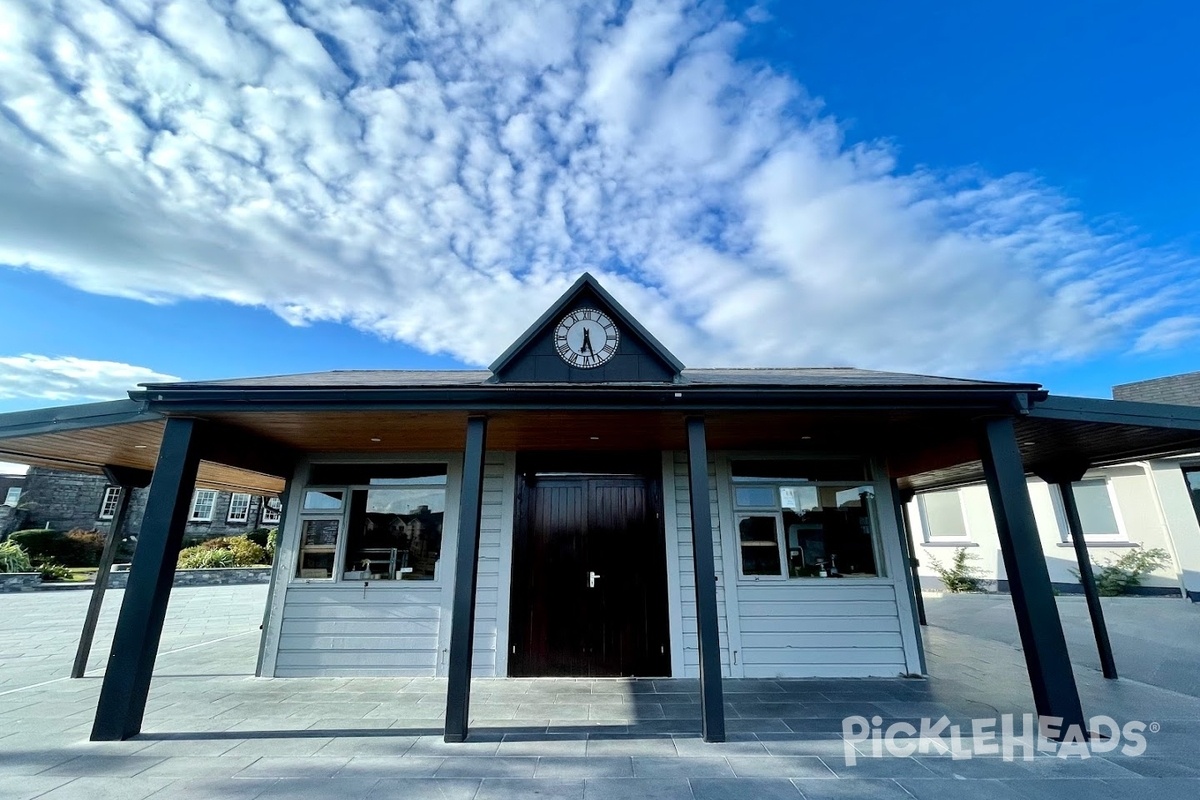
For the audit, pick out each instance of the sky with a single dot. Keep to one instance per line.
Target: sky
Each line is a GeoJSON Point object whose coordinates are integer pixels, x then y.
{"type": "Point", "coordinates": [204, 190]}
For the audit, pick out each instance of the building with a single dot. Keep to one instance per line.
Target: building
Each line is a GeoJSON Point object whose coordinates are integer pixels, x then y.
{"type": "Point", "coordinates": [537, 518]}
{"type": "Point", "coordinates": [1150, 503]}
{"type": "Point", "coordinates": [63, 500]}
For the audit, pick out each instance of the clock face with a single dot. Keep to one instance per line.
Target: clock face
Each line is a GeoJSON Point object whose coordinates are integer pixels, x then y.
{"type": "Point", "coordinates": [586, 338]}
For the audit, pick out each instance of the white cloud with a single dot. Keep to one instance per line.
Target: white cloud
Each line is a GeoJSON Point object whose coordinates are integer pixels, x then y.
{"type": "Point", "coordinates": [71, 379]}
{"type": "Point", "coordinates": [438, 173]}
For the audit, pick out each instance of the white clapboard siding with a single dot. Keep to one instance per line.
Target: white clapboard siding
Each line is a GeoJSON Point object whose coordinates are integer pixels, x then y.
{"type": "Point", "coordinates": [384, 629]}
{"type": "Point", "coordinates": [492, 527]}
{"type": "Point", "coordinates": [394, 628]}
{"type": "Point", "coordinates": [813, 628]}
{"type": "Point", "coordinates": [687, 569]}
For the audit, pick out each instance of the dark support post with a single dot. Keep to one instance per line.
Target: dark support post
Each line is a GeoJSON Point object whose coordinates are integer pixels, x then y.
{"type": "Point", "coordinates": [102, 570]}
{"type": "Point", "coordinates": [1103, 646]}
{"type": "Point", "coordinates": [466, 572]}
{"type": "Point", "coordinates": [712, 700]}
{"type": "Point", "coordinates": [139, 626]}
{"type": "Point", "coordinates": [1050, 677]}
{"type": "Point", "coordinates": [1063, 473]}
{"type": "Point", "coordinates": [903, 498]}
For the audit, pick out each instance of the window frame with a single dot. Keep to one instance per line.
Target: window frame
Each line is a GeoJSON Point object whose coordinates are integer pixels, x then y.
{"type": "Point", "coordinates": [11, 501]}
{"type": "Point", "coordinates": [265, 509]}
{"type": "Point", "coordinates": [927, 536]}
{"type": "Point", "coordinates": [343, 517]}
{"type": "Point", "coordinates": [1121, 535]}
{"type": "Point", "coordinates": [212, 509]}
{"type": "Point", "coordinates": [113, 492]}
{"type": "Point", "coordinates": [878, 555]}
{"type": "Point", "coordinates": [245, 517]}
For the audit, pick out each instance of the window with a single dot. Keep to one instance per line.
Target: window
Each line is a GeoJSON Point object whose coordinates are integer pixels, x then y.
{"type": "Point", "coordinates": [272, 511]}
{"type": "Point", "coordinates": [12, 496]}
{"type": "Point", "coordinates": [384, 523]}
{"type": "Point", "coordinates": [239, 508]}
{"type": "Point", "coordinates": [108, 505]}
{"type": "Point", "coordinates": [942, 517]}
{"type": "Point", "coordinates": [1192, 477]}
{"type": "Point", "coordinates": [803, 519]}
{"type": "Point", "coordinates": [203, 503]}
{"type": "Point", "coordinates": [1097, 510]}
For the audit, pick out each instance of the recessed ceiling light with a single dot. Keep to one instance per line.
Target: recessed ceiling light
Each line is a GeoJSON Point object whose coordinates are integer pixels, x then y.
{"type": "Point", "coordinates": [139, 447]}
{"type": "Point", "coordinates": [376, 439]}
{"type": "Point", "coordinates": [805, 438]}
{"type": "Point", "coordinates": [594, 438]}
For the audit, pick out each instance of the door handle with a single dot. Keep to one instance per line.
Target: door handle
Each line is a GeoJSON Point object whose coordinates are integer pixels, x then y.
{"type": "Point", "coordinates": [592, 580]}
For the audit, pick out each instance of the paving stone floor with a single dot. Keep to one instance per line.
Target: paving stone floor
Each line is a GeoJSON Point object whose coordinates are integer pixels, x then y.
{"type": "Point", "coordinates": [214, 731]}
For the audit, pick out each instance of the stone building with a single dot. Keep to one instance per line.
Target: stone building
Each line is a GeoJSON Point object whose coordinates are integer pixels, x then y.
{"type": "Point", "coordinates": [62, 500]}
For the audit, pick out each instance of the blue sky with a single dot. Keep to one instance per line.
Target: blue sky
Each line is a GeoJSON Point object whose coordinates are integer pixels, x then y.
{"type": "Point", "coordinates": [201, 191]}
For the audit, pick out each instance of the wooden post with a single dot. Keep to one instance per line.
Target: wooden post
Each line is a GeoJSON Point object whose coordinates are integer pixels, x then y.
{"type": "Point", "coordinates": [1050, 676]}
{"type": "Point", "coordinates": [130, 667]}
{"type": "Point", "coordinates": [712, 701]}
{"type": "Point", "coordinates": [466, 573]}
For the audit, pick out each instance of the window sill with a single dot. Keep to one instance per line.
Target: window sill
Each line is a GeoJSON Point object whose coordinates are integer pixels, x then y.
{"type": "Point", "coordinates": [955, 543]}
{"type": "Point", "coordinates": [1118, 543]}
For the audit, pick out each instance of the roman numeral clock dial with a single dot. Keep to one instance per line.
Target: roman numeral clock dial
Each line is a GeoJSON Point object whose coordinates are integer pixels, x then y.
{"type": "Point", "coordinates": [586, 338]}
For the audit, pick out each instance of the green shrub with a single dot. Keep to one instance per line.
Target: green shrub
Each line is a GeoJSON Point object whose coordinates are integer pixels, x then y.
{"type": "Point", "coordinates": [1117, 577]}
{"type": "Point", "coordinates": [13, 558]}
{"type": "Point", "coordinates": [204, 558]}
{"type": "Point", "coordinates": [54, 572]}
{"type": "Point", "coordinates": [75, 548]}
{"type": "Point", "coordinates": [259, 537]}
{"type": "Point", "coordinates": [245, 552]}
{"type": "Point", "coordinates": [961, 575]}
{"type": "Point", "coordinates": [272, 542]}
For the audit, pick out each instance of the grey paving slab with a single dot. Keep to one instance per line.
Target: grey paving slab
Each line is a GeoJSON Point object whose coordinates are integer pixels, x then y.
{"type": "Point", "coordinates": [779, 767]}
{"type": "Point", "coordinates": [223, 766]}
{"type": "Point", "coordinates": [855, 789]}
{"type": "Point", "coordinates": [383, 767]}
{"type": "Point", "coordinates": [573, 767]}
{"type": "Point", "coordinates": [681, 767]}
{"type": "Point", "coordinates": [495, 767]}
{"type": "Point", "coordinates": [518, 789]}
{"type": "Point", "coordinates": [106, 788]}
{"type": "Point", "coordinates": [952, 789]}
{"type": "Point", "coordinates": [744, 788]}
{"type": "Point", "coordinates": [208, 789]}
{"type": "Point", "coordinates": [26, 787]}
{"type": "Point", "coordinates": [294, 767]}
{"type": "Point", "coordinates": [425, 789]}
{"type": "Point", "coordinates": [351, 788]}
{"type": "Point", "coordinates": [640, 788]}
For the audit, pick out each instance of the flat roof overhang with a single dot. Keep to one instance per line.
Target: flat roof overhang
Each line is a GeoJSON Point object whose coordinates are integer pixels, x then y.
{"type": "Point", "coordinates": [928, 436]}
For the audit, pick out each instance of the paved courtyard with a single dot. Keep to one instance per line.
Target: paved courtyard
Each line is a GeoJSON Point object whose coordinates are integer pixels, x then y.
{"type": "Point", "coordinates": [214, 731]}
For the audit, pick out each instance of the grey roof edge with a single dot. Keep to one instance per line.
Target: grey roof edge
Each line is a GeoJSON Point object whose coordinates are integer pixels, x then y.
{"type": "Point", "coordinates": [1117, 412]}
{"type": "Point", "coordinates": [557, 308]}
{"type": "Point", "coordinates": [71, 418]}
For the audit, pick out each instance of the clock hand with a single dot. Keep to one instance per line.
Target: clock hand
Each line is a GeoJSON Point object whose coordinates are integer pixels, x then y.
{"type": "Point", "coordinates": [586, 347]}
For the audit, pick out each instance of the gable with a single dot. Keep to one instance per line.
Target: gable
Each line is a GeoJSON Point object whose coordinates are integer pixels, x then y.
{"type": "Point", "coordinates": [541, 354]}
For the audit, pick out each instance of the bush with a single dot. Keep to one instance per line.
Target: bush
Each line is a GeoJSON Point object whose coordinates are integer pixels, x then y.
{"type": "Point", "coordinates": [76, 548]}
{"type": "Point", "coordinates": [272, 542]}
{"type": "Point", "coordinates": [204, 558]}
{"type": "Point", "coordinates": [54, 572]}
{"type": "Point", "coordinates": [242, 552]}
{"type": "Point", "coordinates": [259, 537]}
{"type": "Point", "coordinates": [13, 558]}
{"type": "Point", "coordinates": [961, 575]}
{"type": "Point", "coordinates": [1115, 578]}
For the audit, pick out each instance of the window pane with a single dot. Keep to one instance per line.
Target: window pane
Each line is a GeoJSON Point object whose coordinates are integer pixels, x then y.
{"type": "Point", "coordinates": [12, 496]}
{"type": "Point", "coordinates": [202, 505]}
{"type": "Point", "coordinates": [320, 500]}
{"type": "Point", "coordinates": [829, 527]}
{"type": "Point", "coordinates": [361, 474]}
{"type": "Point", "coordinates": [754, 496]}
{"type": "Point", "coordinates": [395, 533]}
{"type": "Point", "coordinates": [760, 546]}
{"type": "Point", "coordinates": [944, 516]}
{"type": "Point", "coordinates": [1095, 508]}
{"type": "Point", "coordinates": [318, 541]}
{"type": "Point", "coordinates": [1192, 476]}
{"type": "Point", "coordinates": [841, 469]}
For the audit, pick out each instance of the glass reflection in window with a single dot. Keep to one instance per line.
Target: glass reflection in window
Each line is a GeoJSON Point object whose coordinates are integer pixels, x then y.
{"type": "Point", "coordinates": [395, 531]}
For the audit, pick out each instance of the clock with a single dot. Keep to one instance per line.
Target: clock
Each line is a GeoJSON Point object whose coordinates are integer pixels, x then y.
{"type": "Point", "coordinates": [586, 338]}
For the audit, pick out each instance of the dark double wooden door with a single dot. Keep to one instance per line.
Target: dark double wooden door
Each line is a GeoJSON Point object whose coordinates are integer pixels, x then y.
{"type": "Point", "coordinates": [589, 579]}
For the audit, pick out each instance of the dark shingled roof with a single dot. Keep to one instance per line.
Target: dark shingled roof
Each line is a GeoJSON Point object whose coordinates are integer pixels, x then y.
{"type": "Point", "coordinates": [792, 378]}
